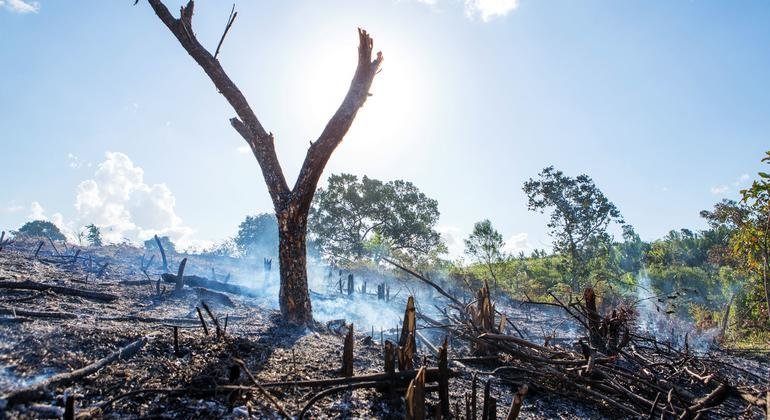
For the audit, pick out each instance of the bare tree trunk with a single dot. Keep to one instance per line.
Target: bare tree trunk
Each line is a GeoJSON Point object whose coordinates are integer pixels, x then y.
{"type": "Point", "coordinates": [294, 298]}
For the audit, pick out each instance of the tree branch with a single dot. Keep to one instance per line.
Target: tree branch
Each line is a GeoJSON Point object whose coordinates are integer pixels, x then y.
{"type": "Point", "coordinates": [249, 128]}
{"type": "Point", "coordinates": [320, 151]}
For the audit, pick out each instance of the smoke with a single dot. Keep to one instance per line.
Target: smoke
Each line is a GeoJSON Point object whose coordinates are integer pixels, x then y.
{"type": "Point", "coordinates": [656, 317]}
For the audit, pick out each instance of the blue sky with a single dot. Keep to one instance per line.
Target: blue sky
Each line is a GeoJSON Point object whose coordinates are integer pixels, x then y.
{"type": "Point", "coordinates": [105, 119]}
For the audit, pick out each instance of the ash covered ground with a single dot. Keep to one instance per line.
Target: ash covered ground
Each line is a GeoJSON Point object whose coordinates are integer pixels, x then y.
{"type": "Point", "coordinates": [37, 343]}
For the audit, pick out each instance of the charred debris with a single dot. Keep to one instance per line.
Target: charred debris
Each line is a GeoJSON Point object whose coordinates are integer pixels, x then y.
{"type": "Point", "coordinates": [108, 332]}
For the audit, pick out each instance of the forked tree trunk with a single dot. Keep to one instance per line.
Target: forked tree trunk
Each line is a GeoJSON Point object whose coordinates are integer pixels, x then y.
{"type": "Point", "coordinates": [291, 205]}
{"type": "Point", "coordinates": [294, 298]}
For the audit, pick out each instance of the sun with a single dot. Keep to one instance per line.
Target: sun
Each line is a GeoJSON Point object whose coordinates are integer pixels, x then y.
{"type": "Point", "coordinates": [392, 108]}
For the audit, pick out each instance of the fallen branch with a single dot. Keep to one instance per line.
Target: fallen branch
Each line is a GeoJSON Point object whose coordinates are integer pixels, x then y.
{"type": "Point", "coordinates": [37, 314]}
{"type": "Point", "coordinates": [37, 391]}
{"type": "Point", "coordinates": [31, 285]}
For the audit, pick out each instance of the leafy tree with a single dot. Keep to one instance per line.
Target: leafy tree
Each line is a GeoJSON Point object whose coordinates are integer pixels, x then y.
{"type": "Point", "coordinates": [94, 235]}
{"type": "Point", "coordinates": [753, 237]}
{"type": "Point", "coordinates": [485, 245]}
{"type": "Point", "coordinates": [168, 246]}
{"type": "Point", "coordinates": [258, 235]}
{"type": "Point", "coordinates": [353, 218]}
{"type": "Point", "coordinates": [580, 215]}
{"type": "Point", "coordinates": [41, 228]}
{"type": "Point", "coordinates": [741, 233]}
{"type": "Point", "coordinates": [631, 251]}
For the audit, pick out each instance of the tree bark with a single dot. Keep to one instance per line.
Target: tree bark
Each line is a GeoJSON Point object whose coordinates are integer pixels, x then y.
{"type": "Point", "coordinates": [294, 298]}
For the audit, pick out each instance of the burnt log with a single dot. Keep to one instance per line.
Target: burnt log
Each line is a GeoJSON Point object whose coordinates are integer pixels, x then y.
{"type": "Point", "coordinates": [61, 290]}
{"type": "Point", "coordinates": [197, 281]}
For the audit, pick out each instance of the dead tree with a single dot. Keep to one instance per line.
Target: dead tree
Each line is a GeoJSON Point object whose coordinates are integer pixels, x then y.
{"type": "Point", "coordinates": [291, 205]}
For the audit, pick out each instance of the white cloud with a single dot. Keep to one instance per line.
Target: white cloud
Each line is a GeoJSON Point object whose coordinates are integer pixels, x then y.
{"type": "Point", "coordinates": [20, 6]}
{"type": "Point", "coordinates": [518, 243]}
{"type": "Point", "coordinates": [489, 9]}
{"type": "Point", "coordinates": [123, 206]}
{"type": "Point", "coordinates": [13, 207]}
{"type": "Point", "coordinates": [453, 238]}
{"type": "Point", "coordinates": [484, 9]}
{"type": "Point", "coordinates": [243, 149]}
{"type": "Point", "coordinates": [36, 212]}
{"type": "Point", "coordinates": [74, 161]}
{"type": "Point", "coordinates": [720, 189]}
{"type": "Point", "coordinates": [741, 180]}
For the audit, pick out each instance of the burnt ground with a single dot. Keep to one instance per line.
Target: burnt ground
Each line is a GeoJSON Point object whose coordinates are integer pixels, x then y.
{"type": "Point", "coordinates": [156, 382]}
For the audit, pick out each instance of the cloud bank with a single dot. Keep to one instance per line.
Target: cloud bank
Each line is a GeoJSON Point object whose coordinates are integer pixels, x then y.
{"type": "Point", "coordinates": [20, 6]}
{"type": "Point", "coordinates": [124, 207]}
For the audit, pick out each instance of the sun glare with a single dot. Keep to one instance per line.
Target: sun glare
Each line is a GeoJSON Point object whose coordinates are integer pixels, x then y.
{"type": "Point", "coordinates": [395, 101]}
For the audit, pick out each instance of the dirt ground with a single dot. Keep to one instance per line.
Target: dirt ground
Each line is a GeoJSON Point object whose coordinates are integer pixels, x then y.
{"type": "Point", "coordinates": [157, 382]}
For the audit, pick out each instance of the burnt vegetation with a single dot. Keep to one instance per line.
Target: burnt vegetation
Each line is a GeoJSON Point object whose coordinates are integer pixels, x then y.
{"type": "Point", "coordinates": [596, 327]}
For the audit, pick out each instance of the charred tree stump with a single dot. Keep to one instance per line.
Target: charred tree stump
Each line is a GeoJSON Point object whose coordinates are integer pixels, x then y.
{"type": "Point", "coordinates": [467, 406]}
{"type": "Point", "coordinates": [267, 267]}
{"type": "Point", "coordinates": [203, 321]}
{"type": "Point", "coordinates": [37, 251]}
{"type": "Point", "coordinates": [489, 411]}
{"type": "Point", "coordinates": [389, 352]}
{"type": "Point", "coordinates": [180, 276]}
{"type": "Point", "coordinates": [69, 407]}
{"type": "Point", "coordinates": [213, 318]}
{"type": "Point", "coordinates": [351, 285]}
{"type": "Point", "coordinates": [5, 242]}
{"type": "Point", "coordinates": [176, 341]}
{"type": "Point", "coordinates": [162, 253]}
{"type": "Point", "coordinates": [516, 402]}
{"type": "Point", "coordinates": [408, 327]}
{"type": "Point", "coordinates": [347, 354]}
{"type": "Point", "coordinates": [443, 379]}
{"type": "Point", "coordinates": [415, 397]}
{"type": "Point", "coordinates": [405, 354]}
{"type": "Point", "coordinates": [594, 336]}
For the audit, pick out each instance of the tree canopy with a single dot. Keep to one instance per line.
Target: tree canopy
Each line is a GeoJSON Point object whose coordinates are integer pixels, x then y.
{"type": "Point", "coordinates": [165, 241]}
{"type": "Point", "coordinates": [41, 228]}
{"type": "Point", "coordinates": [94, 235]}
{"type": "Point", "coordinates": [258, 235]}
{"type": "Point", "coordinates": [353, 218]}
{"type": "Point", "coordinates": [485, 245]}
{"type": "Point", "coordinates": [580, 215]}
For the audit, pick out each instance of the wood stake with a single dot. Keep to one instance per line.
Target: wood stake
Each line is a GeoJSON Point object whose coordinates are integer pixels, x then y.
{"type": "Point", "coordinates": [415, 397]}
{"type": "Point", "coordinates": [518, 400]}
{"type": "Point", "coordinates": [347, 354]}
{"type": "Point", "coordinates": [203, 321]}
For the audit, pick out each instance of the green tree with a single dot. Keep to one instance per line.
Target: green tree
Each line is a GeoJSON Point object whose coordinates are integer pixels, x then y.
{"type": "Point", "coordinates": [485, 245]}
{"type": "Point", "coordinates": [258, 236]}
{"type": "Point", "coordinates": [353, 218]}
{"type": "Point", "coordinates": [631, 251]}
{"type": "Point", "coordinates": [753, 238]}
{"type": "Point", "coordinates": [168, 246]}
{"type": "Point", "coordinates": [580, 215]}
{"type": "Point", "coordinates": [41, 228]}
{"type": "Point", "coordinates": [94, 235]}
